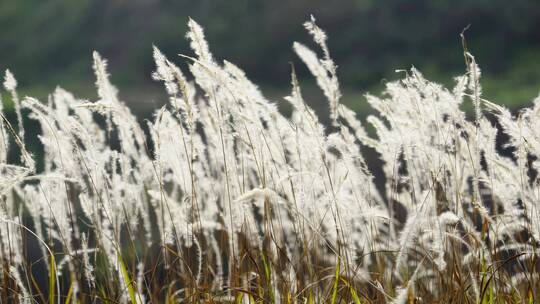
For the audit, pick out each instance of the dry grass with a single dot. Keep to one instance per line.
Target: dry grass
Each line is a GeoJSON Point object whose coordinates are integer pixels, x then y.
{"type": "Point", "coordinates": [222, 198]}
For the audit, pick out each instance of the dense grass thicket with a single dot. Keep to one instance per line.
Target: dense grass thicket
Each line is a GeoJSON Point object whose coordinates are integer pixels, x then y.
{"type": "Point", "coordinates": [221, 198]}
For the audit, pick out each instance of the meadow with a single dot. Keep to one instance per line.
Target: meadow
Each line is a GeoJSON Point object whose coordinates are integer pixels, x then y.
{"type": "Point", "coordinates": [223, 198]}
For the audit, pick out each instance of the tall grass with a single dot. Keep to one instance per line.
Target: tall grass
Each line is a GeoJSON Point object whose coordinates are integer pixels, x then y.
{"type": "Point", "coordinates": [222, 198]}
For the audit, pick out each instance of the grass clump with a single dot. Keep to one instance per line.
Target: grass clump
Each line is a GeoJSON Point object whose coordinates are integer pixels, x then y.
{"type": "Point", "coordinates": [223, 199]}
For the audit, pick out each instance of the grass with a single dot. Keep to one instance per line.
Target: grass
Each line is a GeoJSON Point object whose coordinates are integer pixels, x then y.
{"type": "Point", "coordinates": [221, 197]}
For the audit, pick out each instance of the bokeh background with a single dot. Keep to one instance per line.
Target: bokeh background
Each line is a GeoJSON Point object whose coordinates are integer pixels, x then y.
{"type": "Point", "coordinates": [49, 43]}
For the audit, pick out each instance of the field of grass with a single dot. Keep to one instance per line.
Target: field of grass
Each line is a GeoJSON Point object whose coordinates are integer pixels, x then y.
{"type": "Point", "coordinates": [224, 196]}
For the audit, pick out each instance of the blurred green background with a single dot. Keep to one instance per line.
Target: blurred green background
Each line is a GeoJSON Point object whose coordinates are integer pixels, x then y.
{"type": "Point", "coordinates": [49, 43]}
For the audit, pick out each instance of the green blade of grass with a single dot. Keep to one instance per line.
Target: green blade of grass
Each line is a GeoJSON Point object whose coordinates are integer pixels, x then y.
{"type": "Point", "coordinates": [310, 298]}
{"type": "Point", "coordinates": [336, 281]}
{"type": "Point", "coordinates": [239, 298]}
{"type": "Point", "coordinates": [69, 295]}
{"type": "Point", "coordinates": [354, 295]}
{"type": "Point", "coordinates": [268, 274]}
{"type": "Point", "coordinates": [127, 280]}
{"type": "Point", "coordinates": [52, 280]}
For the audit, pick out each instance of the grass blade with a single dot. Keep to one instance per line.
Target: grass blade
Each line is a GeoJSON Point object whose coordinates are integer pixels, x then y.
{"type": "Point", "coordinates": [354, 295]}
{"type": "Point", "coordinates": [336, 281]}
{"type": "Point", "coordinates": [268, 274]}
{"type": "Point", "coordinates": [52, 280]}
{"type": "Point", "coordinates": [127, 280]}
{"type": "Point", "coordinates": [69, 295]}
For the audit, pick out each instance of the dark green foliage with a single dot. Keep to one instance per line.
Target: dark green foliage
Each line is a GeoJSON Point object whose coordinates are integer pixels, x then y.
{"type": "Point", "coordinates": [49, 42]}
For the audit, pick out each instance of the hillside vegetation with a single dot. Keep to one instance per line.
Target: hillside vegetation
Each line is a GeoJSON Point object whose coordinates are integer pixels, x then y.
{"type": "Point", "coordinates": [49, 42]}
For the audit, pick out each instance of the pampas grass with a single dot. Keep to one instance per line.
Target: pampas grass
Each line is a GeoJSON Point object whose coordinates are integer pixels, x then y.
{"type": "Point", "coordinates": [222, 198]}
